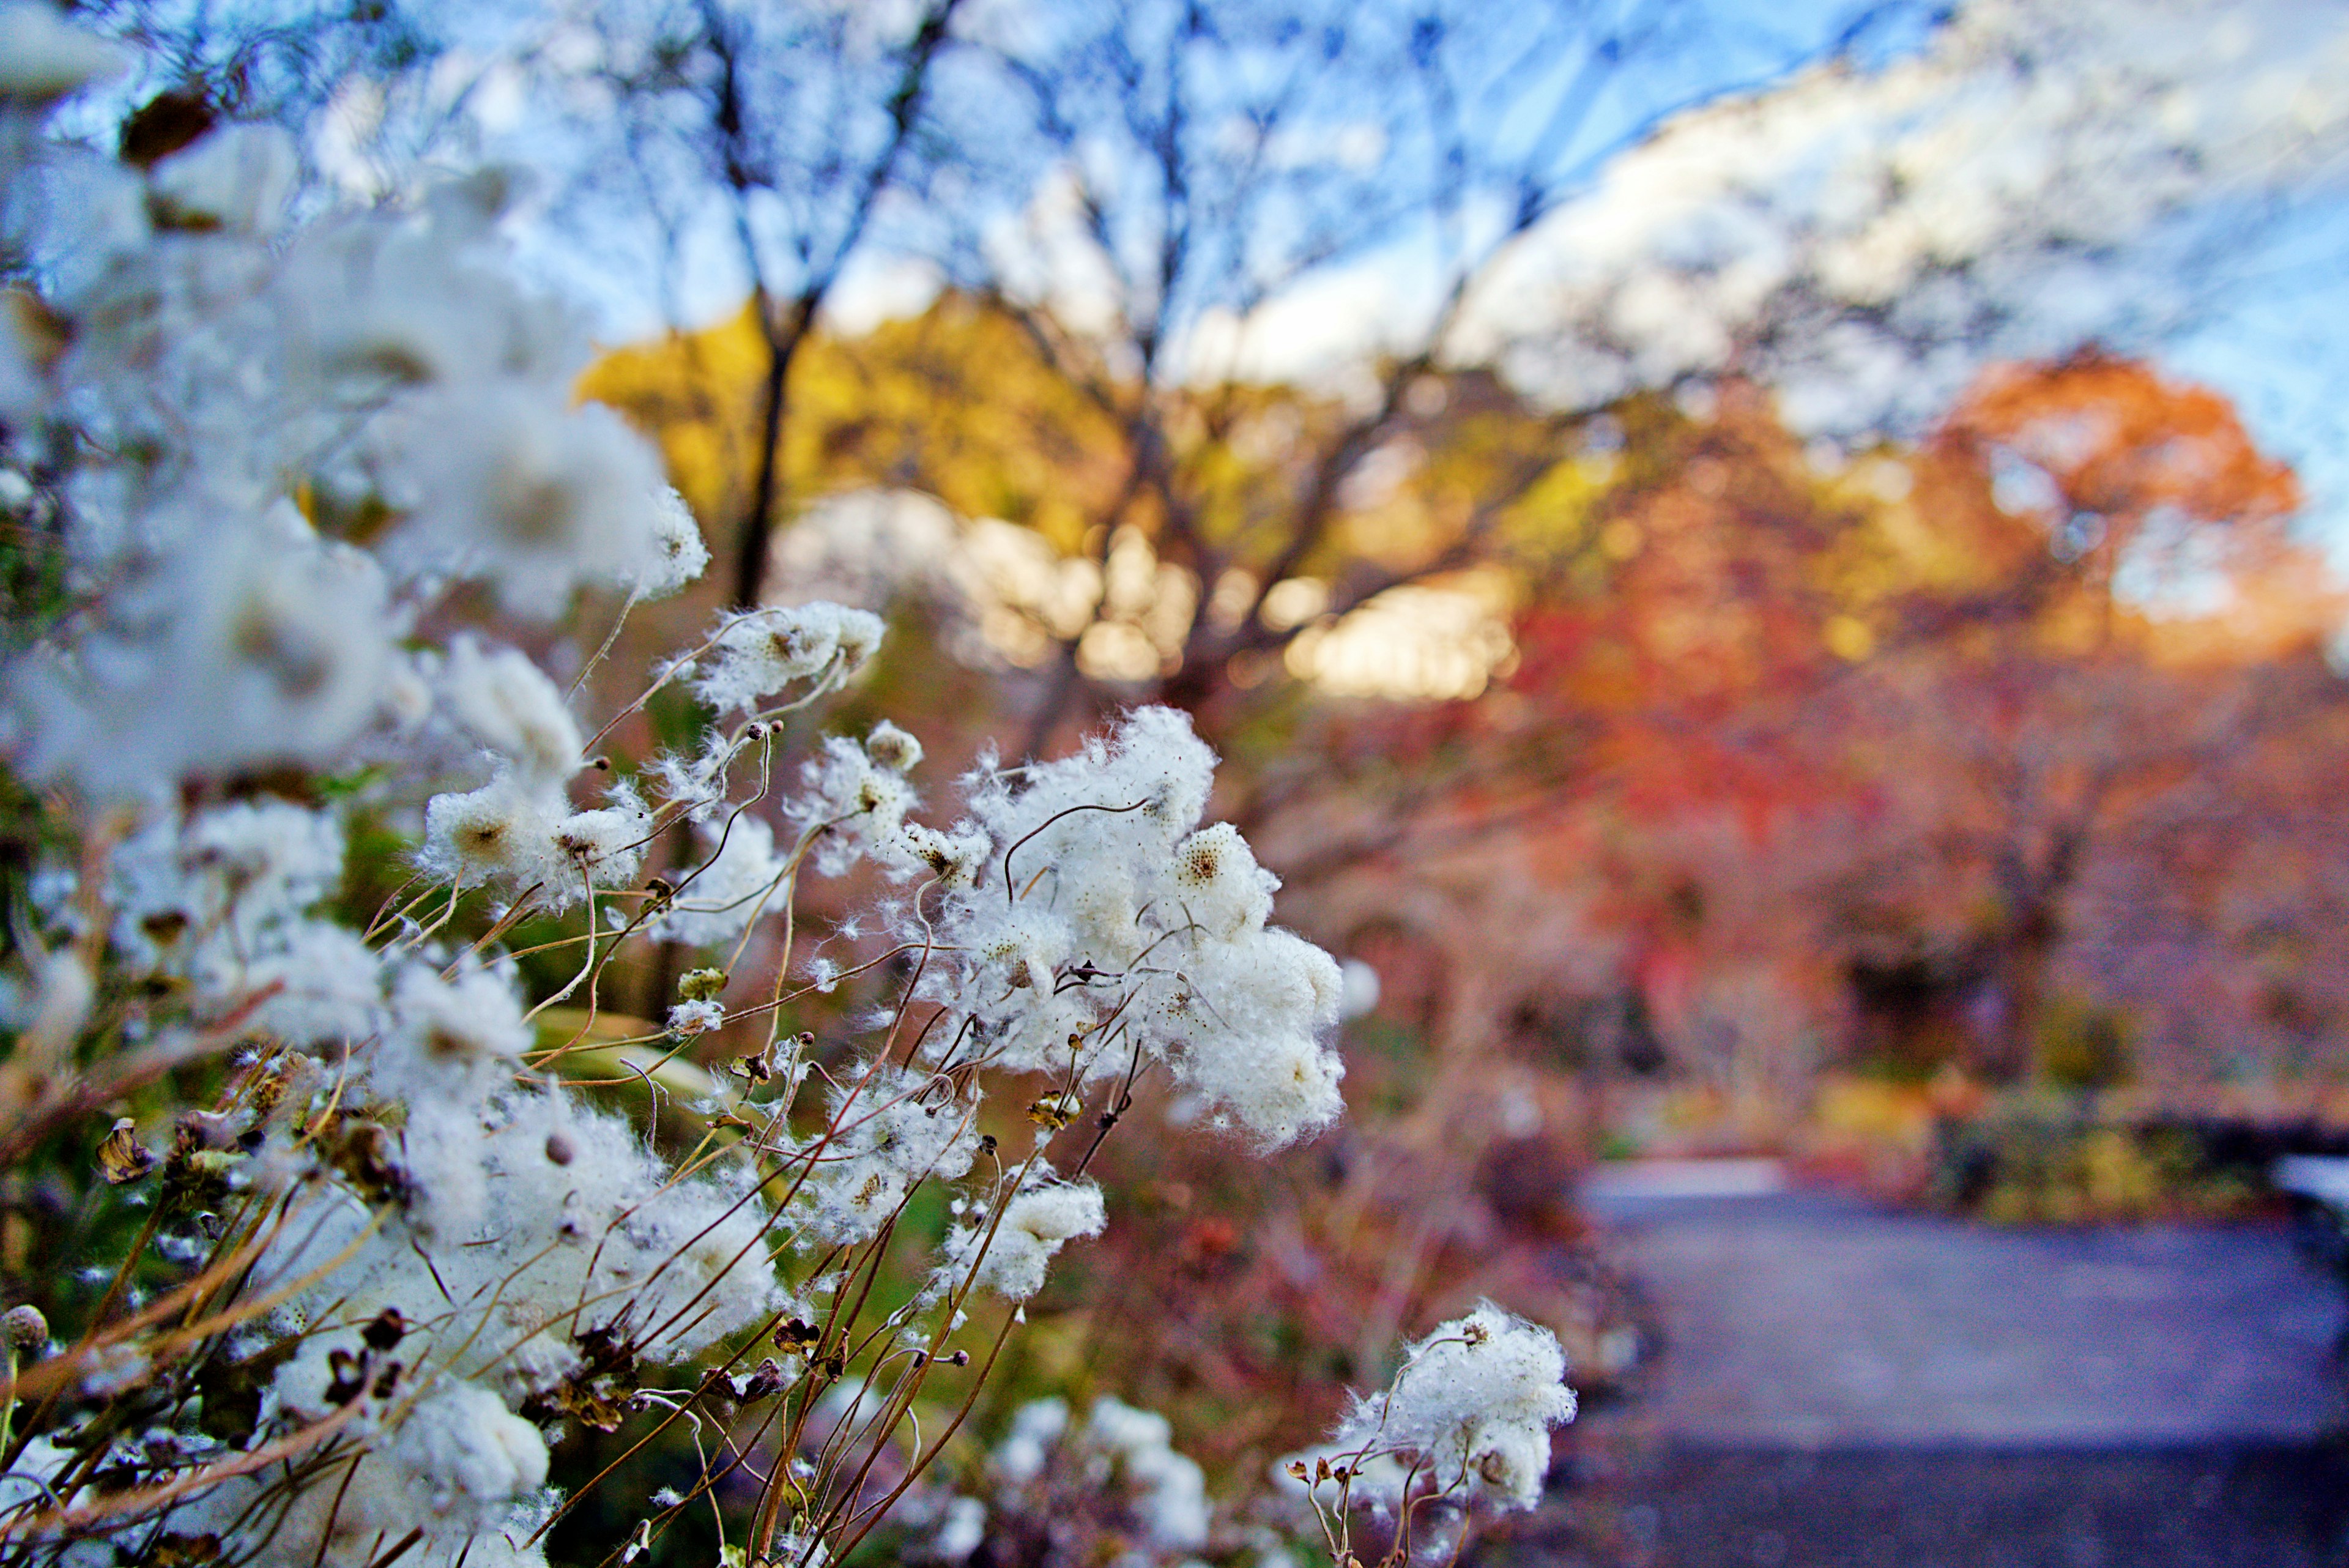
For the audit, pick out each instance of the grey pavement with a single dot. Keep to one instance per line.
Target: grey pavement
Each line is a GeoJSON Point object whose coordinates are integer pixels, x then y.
{"type": "Point", "coordinates": [1809, 1322]}
{"type": "Point", "coordinates": [2230, 1506]}
{"type": "Point", "coordinates": [1837, 1385]}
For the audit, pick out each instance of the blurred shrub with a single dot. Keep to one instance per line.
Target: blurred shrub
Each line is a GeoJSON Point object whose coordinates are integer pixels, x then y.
{"type": "Point", "coordinates": [2082, 1045]}
{"type": "Point", "coordinates": [2053, 1158]}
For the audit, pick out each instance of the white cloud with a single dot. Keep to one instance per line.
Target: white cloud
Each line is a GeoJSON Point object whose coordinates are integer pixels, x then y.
{"type": "Point", "coordinates": [874, 290]}
{"type": "Point", "coordinates": [1050, 256]}
{"type": "Point", "coordinates": [1321, 333]}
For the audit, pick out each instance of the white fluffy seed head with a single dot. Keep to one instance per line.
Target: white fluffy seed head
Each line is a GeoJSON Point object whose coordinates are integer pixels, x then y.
{"type": "Point", "coordinates": [499, 830]}
{"type": "Point", "coordinates": [755, 654]}
{"type": "Point", "coordinates": [955, 860]}
{"type": "Point", "coordinates": [893, 748]}
{"type": "Point", "coordinates": [446, 1031]}
{"type": "Point", "coordinates": [1035, 1224]}
{"type": "Point", "coordinates": [1475, 1400]}
{"type": "Point", "coordinates": [506, 705]}
{"type": "Point", "coordinates": [1220, 884]}
{"type": "Point", "coordinates": [675, 554]}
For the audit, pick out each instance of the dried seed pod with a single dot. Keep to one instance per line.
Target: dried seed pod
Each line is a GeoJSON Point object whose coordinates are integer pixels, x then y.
{"type": "Point", "coordinates": [123, 1157]}
{"type": "Point", "coordinates": [389, 1327]}
{"type": "Point", "coordinates": [24, 1327]}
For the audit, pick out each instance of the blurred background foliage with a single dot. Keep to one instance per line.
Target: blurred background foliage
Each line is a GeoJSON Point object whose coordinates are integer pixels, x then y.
{"type": "Point", "coordinates": [1979, 848]}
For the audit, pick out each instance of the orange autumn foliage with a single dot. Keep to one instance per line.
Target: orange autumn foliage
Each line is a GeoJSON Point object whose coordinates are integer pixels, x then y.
{"type": "Point", "coordinates": [2016, 724]}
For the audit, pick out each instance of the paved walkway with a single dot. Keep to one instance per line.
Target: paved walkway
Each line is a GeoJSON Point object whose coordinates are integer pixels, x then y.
{"type": "Point", "coordinates": [1802, 1322]}
{"type": "Point", "coordinates": [2226, 1506]}
{"type": "Point", "coordinates": [1839, 1387]}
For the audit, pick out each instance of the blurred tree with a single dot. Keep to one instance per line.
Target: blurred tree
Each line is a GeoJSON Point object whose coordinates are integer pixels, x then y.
{"type": "Point", "coordinates": [1864, 236]}
{"type": "Point", "coordinates": [1903, 733]}
{"type": "Point", "coordinates": [959, 404]}
{"type": "Point", "coordinates": [1214, 257]}
{"type": "Point", "coordinates": [759, 143]}
{"type": "Point", "coordinates": [2142, 640]}
{"type": "Point", "coordinates": [765, 142]}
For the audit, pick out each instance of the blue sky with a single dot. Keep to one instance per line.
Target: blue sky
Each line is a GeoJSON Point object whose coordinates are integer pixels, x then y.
{"type": "Point", "coordinates": [2277, 343]}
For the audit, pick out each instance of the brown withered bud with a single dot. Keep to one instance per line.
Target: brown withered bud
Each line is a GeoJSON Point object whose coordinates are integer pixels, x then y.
{"type": "Point", "coordinates": [388, 1329]}
{"type": "Point", "coordinates": [164, 124]}
{"type": "Point", "coordinates": [165, 927]}
{"type": "Point", "coordinates": [121, 1157]}
{"type": "Point", "coordinates": [717, 1393]}
{"type": "Point", "coordinates": [197, 1130]}
{"type": "Point", "coordinates": [760, 1383]}
{"type": "Point", "coordinates": [350, 1377]}
{"type": "Point", "coordinates": [24, 1327]}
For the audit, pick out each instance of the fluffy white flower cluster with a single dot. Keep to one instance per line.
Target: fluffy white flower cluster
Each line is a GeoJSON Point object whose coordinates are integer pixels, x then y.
{"type": "Point", "coordinates": [757, 653]}
{"type": "Point", "coordinates": [282, 449]}
{"type": "Point", "coordinates": [1468, 1415]}
{"type": "Point", "coordinates": [482, 1257]}
{"type": "Point", "coordinates": [1101, 930]}
{"type": "Point", "coordinates": [568, 1235]}
{"type": "Point", "coordinates": [1168, 1487]}
{"type": "Point", "coordinates": [220, 899]}
{"type": "Point", "coordinates": [1121, 1449]}
{"type": "Point", "coordinates": [887, 1132]}
{"type": "Point", "coordinates": [289, 446]}
{"type": "Point", "coordinates": [854, 799]}
{"type": "Point", "coordinates": [735, 883]}
{"type": "Point", "coordinates": [752, 656]}
{"type": "Point", "coordinates": [1013, 1251]}
{"type": "Point", "coordinates": [529, 840]}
